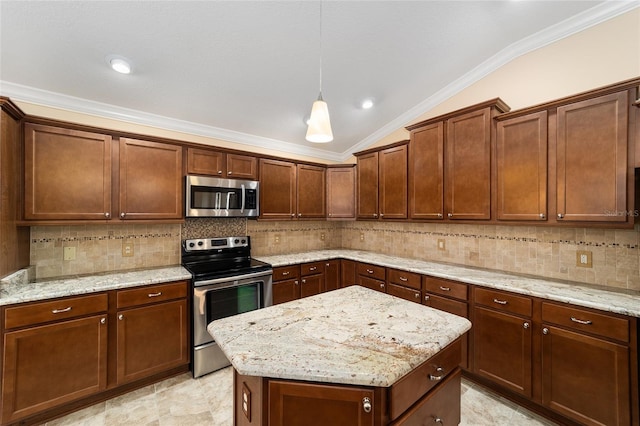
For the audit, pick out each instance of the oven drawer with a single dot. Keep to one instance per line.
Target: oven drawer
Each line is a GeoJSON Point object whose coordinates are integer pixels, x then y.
{"type": "Point", "coordinates": [151, 294]}
{"type": "Point", "coordinates": [286, 273]}
{"type": "Point", "coordinates": [41, 312]}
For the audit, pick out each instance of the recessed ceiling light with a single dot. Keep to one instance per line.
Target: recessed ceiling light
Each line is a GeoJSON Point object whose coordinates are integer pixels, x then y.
{"type": "Point", "coordinates": [119, 64]}
{"type": "Point", "coordinates": [367, 104]}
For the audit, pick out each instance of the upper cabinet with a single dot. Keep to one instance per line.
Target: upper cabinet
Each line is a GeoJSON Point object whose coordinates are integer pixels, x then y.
{"type": "Point", "coordinates": [291, 191]}
{"type": "Point", "coordinates": [341, 192]}
{"type": "Point", "coordinates": [221, 164]}
{"type": "Point", "coordinates": [73, 175]}
{"type": "Point", "coordinates": [450, 164]}
{"type": "Point", "coordinates": [382, 182]}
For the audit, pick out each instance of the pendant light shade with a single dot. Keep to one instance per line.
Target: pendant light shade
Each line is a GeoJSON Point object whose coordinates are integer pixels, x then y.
{"type": "Point", "coordinates": [319, 130]}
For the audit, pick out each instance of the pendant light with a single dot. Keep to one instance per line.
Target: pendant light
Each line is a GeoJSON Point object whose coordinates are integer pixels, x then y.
{"type": "Point", "coordinates": [319, 130]}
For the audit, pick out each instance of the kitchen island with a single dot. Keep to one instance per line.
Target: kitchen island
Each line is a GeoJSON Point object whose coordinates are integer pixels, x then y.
{"type": "Point", "coordinates": [352, 356]}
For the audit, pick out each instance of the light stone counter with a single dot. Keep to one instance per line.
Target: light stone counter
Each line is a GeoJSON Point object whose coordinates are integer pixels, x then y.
{"type": "Point", "coordinates": [353, 335]}
{"type": "Point", "coordinates": [16, 288]}
{"type": "Point", "coordinates": [623, 302]}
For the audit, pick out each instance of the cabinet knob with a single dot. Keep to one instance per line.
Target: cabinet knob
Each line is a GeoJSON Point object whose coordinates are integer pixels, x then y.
{"type": "Point", "coordinates": [366, 404]}
{"type": "Point", "coordinates": [438, 420]}
{"type": "Point", "coordinates": [381, 214]}
{"type": "Point", "coordinates": [449, 214]}
{"type": "Point", "coordinates": [542, 216]}
{"type": "Point", "coordinates": [293, 215]}
{"type": "Point", "coordinates": [219, 172]}
{"type": "Point", "coordinates": [107, 215]}
{"type": "Point", "coordinates": [545, 330]}
{"type": "Point", "coordinates": [525, 325]}
{"type": "Point", "coordinates": [103, 320]}
{"type": "Point", "coordinates": [304, 281]}
{"type": "Point", "coordinates": [375, 215]}
{"type": "Point", "coordinates": [122, 215]}
{"type": "Point", "coordinates": [417, 295]}
{"type": "Point", "coordinates": [120, 317]}
{"type": "Point", "coordinates": [229, 172]}
{"type": "Point", "coordinates": [439, 215]}
{"type": "Point", "coordinates": [296, 282]}
{"type": "Point", "coordinates": [560, 216]}
{"type": "Point", "coordinates": [426, 298]}
{"type": "Point", "coordinates": [381, 285]}
{"type": "Point", "coordinates": [299, 214]}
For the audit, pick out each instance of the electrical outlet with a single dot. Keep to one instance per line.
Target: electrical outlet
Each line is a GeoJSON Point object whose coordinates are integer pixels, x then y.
{"type": "Point", "coordinates": [362, 236]}
{"type": "Point", "coordinates": [69, 253]}
{"type": "Point", "coordinates": [127, 248]}
{"type": "Point", "coordinates": [584, 259]}
{"type": "Point", "coordinates": [322, 236]}
{"type": "Point", "coordinates": [276, 239]}
{"type": "Point", "coordinates": [441, 244]}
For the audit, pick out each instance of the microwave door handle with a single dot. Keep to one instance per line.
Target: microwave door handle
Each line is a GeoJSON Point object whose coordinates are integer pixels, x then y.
{"type": "Point", "coordinates": [229, 199]}
{"type": "Point", "coordinates": [217, 204]}
{"type": "Point", "coordinates": [243, 198]}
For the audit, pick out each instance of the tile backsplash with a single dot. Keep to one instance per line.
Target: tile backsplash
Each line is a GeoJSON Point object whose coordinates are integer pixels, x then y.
{"type": "Point", "coordinates": [542, 251]}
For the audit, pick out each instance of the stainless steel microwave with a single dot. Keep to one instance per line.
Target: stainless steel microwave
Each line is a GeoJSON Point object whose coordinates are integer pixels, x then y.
{"type": "Point", "coordinates": [215, 197]}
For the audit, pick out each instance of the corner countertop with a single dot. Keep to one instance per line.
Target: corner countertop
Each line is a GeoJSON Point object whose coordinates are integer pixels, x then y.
{"type": "Point", "coordinates": [16, 289]}
{"type": "Point", "coordinates": [352, 335]}
{"type": "Point", "coordinates": [620, 301]}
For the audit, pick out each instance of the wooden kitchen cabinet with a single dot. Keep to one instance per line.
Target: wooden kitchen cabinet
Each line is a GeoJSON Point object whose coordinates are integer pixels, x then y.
{"type": "Point", "coordinates": [55, 352]}
{"type": "Point", "coordinates": [311, 278]}
{"type": "Point", "coordinates": [347, 272]}
{"type": "Point", "coordinates": [286, 283]}
{"type": "Point", "coordinates": [403, 284]}
{"type": "Point", "coordinates": [521, 157]}
{"type": "Point", "coordinates": [586, 369]}
{"type": "Point", "coordinates": [332, 277]}
{"type": "Point", "coordinates": [221, 164]}
{"type": "Point", "coordinates": [371, 276]}
{"type": "Point", "coordinates": [152, 329]}
{"type": "Point", "coordinates": [382, 182]}
{"type": "Point", "coordinates": [502, 337]}
{"type": "Point", "coordinates": [592, 135]}
{"type": "Point", "coordinates": [341, 192]}
{"type": "Point", "coordinates": [311, 192]}
{"type": "Point", "coordinates": [426, 172]}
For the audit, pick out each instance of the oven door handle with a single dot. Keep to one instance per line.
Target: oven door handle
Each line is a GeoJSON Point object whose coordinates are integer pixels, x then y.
{"type": "Point", "coordinates": [232, 279]}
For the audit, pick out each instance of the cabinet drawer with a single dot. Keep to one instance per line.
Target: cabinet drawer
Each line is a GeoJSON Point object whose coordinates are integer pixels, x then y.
{"type": "Point", "coordinates": [441, 407]}
{"type": "Point", "coordinates": [286, 273]}
{"type": "Point", "coordinates": [447, 288]}
{"type": "Point", "coordinates": [404, 292]}
{"type": "Point", "coordinates": [372, 271]}
{"type": "Point", "coordinates": [410, 388]}
{"type": "Point", "coordinates": [371, 283]}
{"type": "Point", "coordinates": [311, 268]}
{"type": "Point", "coordinates": [587, 321]}
{"type": "Point", "coordinates": [407, 279]}
{"type": "Point", "coordinates": [455, 307]}
{"type": "Point", "coordinates": [41, 312]}
{"type": "Point", "coordinates": [151, 294]}
{"type": "Point", "coordinates": [502, 301]}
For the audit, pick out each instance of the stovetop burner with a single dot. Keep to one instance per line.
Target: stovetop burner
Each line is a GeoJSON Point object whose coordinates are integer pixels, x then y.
{"type": "Point", "coordinates": [210, 258]}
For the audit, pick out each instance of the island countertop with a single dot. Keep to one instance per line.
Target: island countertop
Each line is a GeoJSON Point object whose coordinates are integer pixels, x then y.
{"type": "Point", "coordinates": [352, 335]}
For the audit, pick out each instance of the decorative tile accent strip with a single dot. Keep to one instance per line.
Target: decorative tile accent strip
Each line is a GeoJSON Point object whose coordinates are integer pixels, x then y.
{"type": "Point", "coordinates": [214, 227]}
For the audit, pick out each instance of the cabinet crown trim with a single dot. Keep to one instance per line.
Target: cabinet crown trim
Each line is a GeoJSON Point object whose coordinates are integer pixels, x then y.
{"type": "Point", "coordinates": [497, 103]}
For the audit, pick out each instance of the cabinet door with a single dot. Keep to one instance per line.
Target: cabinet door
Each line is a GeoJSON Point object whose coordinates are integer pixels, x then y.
{"type": "Point", "coordinates": [592, 160]}
{"type": "Point", "coordinates": [277, 189]}
{"type": "Point", "coordinates": [502, 349]}
{"type": "Point", "coordinates": [205, 162]}
{"type": "Point", "coordinates": [392, 182]}
{"type": "Point", "coordinates": [150, 180]}
{"type": "Point", "coordinates": [522, 167]}
{"type": "Point", "coordinates": [347, 273]}
{"type": "Point", "coordinates": [285, 291]}
{"type": "Point", "coordinates": [341, 193]}
{"type": "Point", "coordinates": [67, 174]}
{"type": "Point", "coordinates": [367, 194]}
{"type": "Point", "coordinates": [311, 284]}
{"type": "Point", "coordinates": [426, 172]}
{"type": "Point", "coordinates": [50, 365]}
{"type": "Point", "coordinates": [311, 191]}
{"type": "Point", "coordinates": [152, 339]}
{"type": "Point", "coordinates": [332, 275]}
{"type": "Point", "coordinates": [242, 167]}
{"type": "Point", "coordinates": [468, 169]}
{"type": "Point", "coordinates": [303, 404]}
{"type": "Point", "coordinates": [585, 378]}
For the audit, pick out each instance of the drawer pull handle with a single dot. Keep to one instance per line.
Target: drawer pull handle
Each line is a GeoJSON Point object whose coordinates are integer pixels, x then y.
{"type": "Point", "coordinates": [155, 294]}
{"type": "Point", "coordinates": [445, 288]}
{"type": "Point", "coordinates": [366, 404]}
{"type": "Point", "coordinates": [438, 420]}
{"type": "Point", "coordinates": [440, 371]}
{"type": "Point", "coordinates": [313, 268]}
{"type": "Point", "coordinates": [583, 322]}
{"type": "Point", "coordinates": [59, 311]}
{"type": "Point", "coordinates": [284, 274]}
{"type": "Point", "coordinates": [370, 271]}
{"type": "Point", "coordinates": [404, 279]}
{"type": "Point", "coordinates": [500, 302]}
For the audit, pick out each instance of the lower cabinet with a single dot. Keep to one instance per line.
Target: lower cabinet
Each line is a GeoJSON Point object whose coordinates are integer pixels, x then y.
{"type": "Point", "coordinates": [286, 284]}
{"type": "Point", "coordinates": [59, 352]}
{"type": "Point", "coordinates": [312, 278]}
{"type": "Point", "coordinates": [371, 276]}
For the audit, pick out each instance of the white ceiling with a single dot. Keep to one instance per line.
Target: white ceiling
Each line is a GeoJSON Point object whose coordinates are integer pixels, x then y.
{"type": "Point", "coordinates": [248, 71]}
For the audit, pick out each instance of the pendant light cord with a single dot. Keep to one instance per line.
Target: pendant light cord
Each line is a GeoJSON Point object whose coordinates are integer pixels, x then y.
{"type": "Point", "coordinates": [320, 95]}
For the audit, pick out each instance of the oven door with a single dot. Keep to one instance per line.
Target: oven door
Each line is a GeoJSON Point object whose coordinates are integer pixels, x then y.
{"type": "Point", "coordinates": [228, 296]}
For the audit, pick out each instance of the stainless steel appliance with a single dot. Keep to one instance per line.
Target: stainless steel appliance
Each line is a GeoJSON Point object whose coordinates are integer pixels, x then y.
{"type": "Point", "coordinates": [226, 282]}
{"type": "Point", "coordinates": [215, 197]}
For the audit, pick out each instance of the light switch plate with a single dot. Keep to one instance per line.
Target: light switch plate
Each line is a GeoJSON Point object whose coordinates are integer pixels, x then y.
{"type": "Point", "coordinates": [584, 259]}
{"type": "Point", "coordinates": [441, 244]}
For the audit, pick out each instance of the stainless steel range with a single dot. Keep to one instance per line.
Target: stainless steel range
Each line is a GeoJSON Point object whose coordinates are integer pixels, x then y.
{"type": "Point", "coordinates": [226, 282]}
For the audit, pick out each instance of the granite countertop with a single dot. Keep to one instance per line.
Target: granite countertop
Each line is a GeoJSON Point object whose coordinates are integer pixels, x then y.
{"type": "Point", "coordinates": [16, 288]}
{"type": "Point", "coordinates": [352, 335]}
{"type": "Point", "coordinates": [625, 302]}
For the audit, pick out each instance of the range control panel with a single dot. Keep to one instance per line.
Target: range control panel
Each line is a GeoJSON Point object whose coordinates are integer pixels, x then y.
{"type": "Point", "coordinates": [215, 243]}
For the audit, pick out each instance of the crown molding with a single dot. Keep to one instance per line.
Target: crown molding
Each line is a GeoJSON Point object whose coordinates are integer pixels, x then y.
{"type": "Point", "coordinates": [566, 28]}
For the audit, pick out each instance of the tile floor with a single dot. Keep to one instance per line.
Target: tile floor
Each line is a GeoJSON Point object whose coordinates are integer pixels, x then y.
{"type": "Point", "coordinates": [207, 401]}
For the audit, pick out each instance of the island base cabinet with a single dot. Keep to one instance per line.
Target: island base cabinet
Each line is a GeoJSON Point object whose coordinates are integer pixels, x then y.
{"type": "Point", "coordinates": [585, 378]}
{"type": "Point", "coordinates": [49, 365]}
{"type": "Point", "coordinates": [441, 407]}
